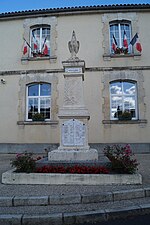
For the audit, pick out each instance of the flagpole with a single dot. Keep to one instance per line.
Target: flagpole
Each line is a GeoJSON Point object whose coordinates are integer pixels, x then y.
{"type": "Point", "coordinates": [27, 43]}
{"type": "Point", "coordinates": [44, 43]}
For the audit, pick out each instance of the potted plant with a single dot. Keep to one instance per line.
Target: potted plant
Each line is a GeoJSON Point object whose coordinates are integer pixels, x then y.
{"type": "Point", "coordinates": [38, 117]}
{"type": "Point", "coordinates": [122, 50]}
{"type": "Point", "coordinates": [125, 115]}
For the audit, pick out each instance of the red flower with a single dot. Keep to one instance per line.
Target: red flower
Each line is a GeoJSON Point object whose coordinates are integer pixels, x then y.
{"type": "Point", "coordinates": [73, 169]}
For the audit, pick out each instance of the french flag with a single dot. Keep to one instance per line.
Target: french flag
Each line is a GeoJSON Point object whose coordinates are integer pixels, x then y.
{"type": "Point", "coordinates": [35, 46]}
{"type": "Point", "coordinates": [125, 43]}
{"type": "Point", "coordinates": [45, 47]}
{"type": "Point", "coordinates": [114, 44]}
{"type": "Point", "coordinates": [45, 51]}
{"type": "Point", "coordinates": [25, 48]}
{"type": "Point", "coordinates": [135, 40]}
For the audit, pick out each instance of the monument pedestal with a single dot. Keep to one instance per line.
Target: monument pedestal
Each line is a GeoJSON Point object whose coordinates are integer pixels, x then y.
{"type": "Point", "coordinates": [74, 141]}
{"type": "Point", "coordinates": [73, 116]}
{"type": "Point", "coordinates": [73, 155]}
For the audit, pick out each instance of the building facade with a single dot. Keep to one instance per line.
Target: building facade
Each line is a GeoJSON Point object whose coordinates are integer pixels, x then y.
{"type": "Point", "coordinates": [117, 75]}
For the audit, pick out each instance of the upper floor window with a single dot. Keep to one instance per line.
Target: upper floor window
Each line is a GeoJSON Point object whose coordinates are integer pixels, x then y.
{"type": "Point", "coordinates": [38, 100]}
{"type": "Point", "coordinates": [123, 98]}
{"type": "Point", "coordinates": [120, 36]}
{"type": "Point", "coordinates": [40, 41]}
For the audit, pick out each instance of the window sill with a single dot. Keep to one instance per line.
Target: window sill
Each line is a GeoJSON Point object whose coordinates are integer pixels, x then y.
{"type": "Point", "coordinates": [26, 59]}
{"type": "Point", "coordinates": [108, 57]}
{"type": "Point", "coordinates": [124, 121]}
{"type": "Point", "coordinates": [52, 122]}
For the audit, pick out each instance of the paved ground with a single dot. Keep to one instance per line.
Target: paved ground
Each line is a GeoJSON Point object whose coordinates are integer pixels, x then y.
{"type": "Point", "coordinates": [135, 203]}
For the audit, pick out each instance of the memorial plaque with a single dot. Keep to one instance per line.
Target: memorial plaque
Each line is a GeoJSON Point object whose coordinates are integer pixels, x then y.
{"type": "Point", "coordinates": [79, 133]}
{"type": "Point", "coordinates": [73, 70]}
{"type": "Point", "coordinates": [73, 133]}
{"type": "Point", "coordinates": [68, 133]}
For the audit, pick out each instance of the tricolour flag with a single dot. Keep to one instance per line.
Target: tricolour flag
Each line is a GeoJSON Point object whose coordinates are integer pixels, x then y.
{"type": "Point", "coordinates": [114, 44]}
{"type": "Point", "coordinates": [35, 45]}
{"type": "Point", "coordinates": [44, 42]}
{"type": "Point", "coordinates": [134, 40]}
{"type": "Point", "coordinates": [45, 51]}
{"type": "Point", "coordinates": [25, 48]}
{"type": "Point", "coordinates": [45, 47]}
{"type": "Point", "coordinates": [125, 43]}
{"type": "Point", "coordinates": [138, 45]}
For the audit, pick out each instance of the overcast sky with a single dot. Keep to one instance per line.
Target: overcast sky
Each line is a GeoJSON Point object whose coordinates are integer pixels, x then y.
{"type": "Point", "coordinates": [21, 5]}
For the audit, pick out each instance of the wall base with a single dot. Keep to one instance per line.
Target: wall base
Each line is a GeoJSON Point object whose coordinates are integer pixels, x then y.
{"type": "Point", "coordinates": [40, 147]}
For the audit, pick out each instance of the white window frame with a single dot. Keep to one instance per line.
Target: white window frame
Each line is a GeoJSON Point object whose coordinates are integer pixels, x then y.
{"type": "Point", "coordinates": [39, 97]}
{"type": "Point", "coordinates": [119, 23]}
{"type": "Point", "coordinates": [123, 96]}
{"type": "Point", "coordinates": [40, 44]}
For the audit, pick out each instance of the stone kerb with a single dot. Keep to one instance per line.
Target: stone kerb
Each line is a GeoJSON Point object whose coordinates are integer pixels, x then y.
{"type": "Point", "coordinates": [75, 217]}
{"type": "Point", "coordinates": [65, 199]}
{"type": "Point", "coordinates": [10, 177]}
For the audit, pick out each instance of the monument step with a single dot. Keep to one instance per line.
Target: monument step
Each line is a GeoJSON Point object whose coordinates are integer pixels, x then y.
{"type": "Point", "coordinates": [103, 161]}
{"type": "Point", "coordinates": [73, 155]}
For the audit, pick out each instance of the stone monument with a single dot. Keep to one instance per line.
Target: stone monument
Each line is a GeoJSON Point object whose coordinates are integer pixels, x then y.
{"type": "Point", "coordinates": [73, 116]}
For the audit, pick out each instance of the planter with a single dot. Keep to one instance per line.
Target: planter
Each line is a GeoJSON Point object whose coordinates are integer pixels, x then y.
{"type": "Point", "coordinates": [121, 51]}
{"type": "Point", "coordinates": [40, 119]}
{"type": "Point", "coordinates": [11, 177]}
{"type": "Point", "coordinates": [124, 118]}
{"type": "Point", "coordinates": [125, 115]}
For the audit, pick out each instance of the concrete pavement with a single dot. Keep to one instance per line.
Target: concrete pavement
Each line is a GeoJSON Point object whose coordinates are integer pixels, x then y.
{"type": "Point", "coordinates": [67, 204]}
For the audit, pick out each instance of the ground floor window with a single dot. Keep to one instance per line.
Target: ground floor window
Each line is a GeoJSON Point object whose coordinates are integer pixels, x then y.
{"type": "Point", "coordinates": [38, 100]}
{"type": "Point", "coordinates": [123, 98]}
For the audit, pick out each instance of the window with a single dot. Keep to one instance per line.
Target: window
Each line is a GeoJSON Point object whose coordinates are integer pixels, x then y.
{"type": "Point", "coordinates": [39, 100]}
{"type": "Point", "coordinates": [40, 41]}
{"type": "Point", "coordinates": [123, 97]}
{"type": "Point", "coordinates": [120, 32]}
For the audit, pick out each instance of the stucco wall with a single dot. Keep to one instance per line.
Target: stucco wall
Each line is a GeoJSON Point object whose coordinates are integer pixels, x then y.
{"type": "Point", "coordinates": [90, 32]}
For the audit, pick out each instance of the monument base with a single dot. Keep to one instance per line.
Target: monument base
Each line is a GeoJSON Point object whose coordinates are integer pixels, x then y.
{"type": "Point", "coordinates": [73, 155]}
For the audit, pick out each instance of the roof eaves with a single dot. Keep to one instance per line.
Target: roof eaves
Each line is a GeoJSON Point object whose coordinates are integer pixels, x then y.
{"type": "Point", "coordinates": [74, 9]}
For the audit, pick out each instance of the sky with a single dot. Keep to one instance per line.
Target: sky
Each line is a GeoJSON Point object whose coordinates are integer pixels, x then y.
{"type": "Point", "coordinates": [22, 5]}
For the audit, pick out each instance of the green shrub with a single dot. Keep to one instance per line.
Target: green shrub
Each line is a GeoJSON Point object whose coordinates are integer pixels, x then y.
{"type": "Point", "coordinates": [24, 163]}
{"type": "Point", "coordinates": [38, 117]}
{"type": "Point", "coordinates": [121, 158]}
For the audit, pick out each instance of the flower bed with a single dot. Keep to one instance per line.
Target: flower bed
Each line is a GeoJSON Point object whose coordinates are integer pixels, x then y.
{"type": "Point", "coordinates": [121, 161]}
{"type": "Point", "coordinates": [121, 171]}
{"type": "Point", "coordinates": [25, 162]}
{"type": "Point", "coordinates": [74, 169]}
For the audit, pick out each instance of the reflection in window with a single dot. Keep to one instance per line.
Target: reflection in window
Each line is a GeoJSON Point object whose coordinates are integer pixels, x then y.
{"type": "Point", "coordinates": [39, 100]}
{"type": "Point", "coordinates": [123, 97]}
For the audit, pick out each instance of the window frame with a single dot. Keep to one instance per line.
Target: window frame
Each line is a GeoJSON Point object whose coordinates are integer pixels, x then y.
{"type": "Point", "coordinates": [122, 95]}
{"type": "Point", "coordinates": [40, 42]}
{"type": "Point", "coordinates": [29, 23]}
{"type": "Point", "coordinates": [120, 44]}
{"type": "Point", "coordinates": [39, 97]}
